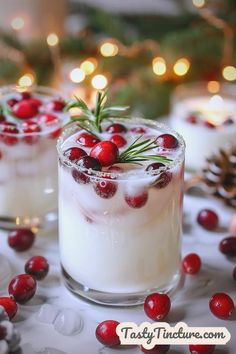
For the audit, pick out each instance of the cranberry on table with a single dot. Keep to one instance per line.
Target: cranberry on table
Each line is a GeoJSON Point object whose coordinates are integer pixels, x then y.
{"type": "Point", "coordinates": [9, 305]}
{"type": "Point", "coordinates": [8, 132]}
{"type": "Point", "coordinates": [192, 119]}
{"type": "Point", "coordinates": [221, 305]}
{"type": "Point", "coordinates": [105, 152]}
{"type": "Point", "coordinates": [25, 109]}
{"type": "Point", "coordinates": [22, 288]}
{"type": "Point", "coordinates": [118, 140]}
{"type": "Point", "coordinates": [85, 162]}
{"type": "Point", "coordinates": [106, 333]}
{"type": "Point", "coordinates": [56, 105]}
{"type": "Point", "coordinates": [167, 141]}
{"type": "Point", "coordinates": [201, 348]}
{"type": "Point", "coordinates": [191, 264]}
{"type": "Point", "coordinates": [12, 101]}
{"type": "Point", "coordinates": [38, 267]}
{"type": "Point", "coordinates": [116, 128]}
{"type": "Point", "coordinates": [21, 239]}
{"type": "Point", "coordinates": [136, 201]}
{"type": "Point", "coordinates": [208, 219]}
{"type": "Point", "coordinates": [74, 153]}
{"type": "Point", "coordinates": [157, 306]}
{"type": "Point", "coordinates": [105, 189]}
{"type": "Point", "coordinates": [87, 140]}
{"type": "Point", "coordinates": [32, 128]}
{"type": "Point", "coordinates": [228, 246]}
{"type": "Point", "coordinates": [157, 349]}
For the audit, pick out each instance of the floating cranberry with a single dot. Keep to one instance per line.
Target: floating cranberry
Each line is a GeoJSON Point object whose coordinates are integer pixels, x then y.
{"type": "Point", "coordinates": [25, 109]}
{"type": "Point", "coordinates": [9, 305]}
{"type": "Point", "coordinates": [221, 305]}
{"type": "Point", "coordinates": [32, 128]}
{"type": "Point", "coordinates": [209, 124]}
{"type": "Point", "coordinates": [138, 130]}
{"type": "Point", "coordinates": [201, 349]}
{"type": "Point", "coordinates": [164, 178]}
{"type": "Point", "coordinates": [191, 264]}
{"type": "Point", "coordinates": [8, 132]}
{"type": "Point", "coordinates": [56, 105]}
{"type": "Point", "coordinates": [234, 273]}
{"type": "Point", "coordinates": [38, 267]}
{"type": "Point", "coordinates": [106, 152]}
{"type": "Point", "coordinates": [21, 239]}
{"type": "Point", "coordinates": [12, 101]}
{"type": "Point", "coordinates": [25, 95]}
{"type": "Point", "coordinates": [118, 140]}
{"type": "Point", "coordinates": [87, 140]}
{"type": "Point", "coordinates": [74, 153]}
{"type": "Point", "coordinates": [106, 333]}
{"type": "Point", "coordinates": [192, 119]}
{"type": "Point", "coordinates": [157, 306]}
{"type": "Point", "coordinates": [228, 246]}
{"type": "Point", "coordinates": [22, 288]}
{"type": "Point", "coordinates": [86, 162]}
{"type": "Point", "coordinates": [208, 219]}
{"type": "Point", "coordinates": [105, 189]}
{"type": "Point", "coordinates": [157, 349]}
{"type": "Point", "coordinates": [167, 141]}
{"type": "Point", "coordinates": [137, 201]}
{"type": "Point", "coordinates": [116, 128]}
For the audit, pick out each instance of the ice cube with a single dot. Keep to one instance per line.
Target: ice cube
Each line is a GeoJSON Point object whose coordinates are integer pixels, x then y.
{"type": "Point", "coordinates": [47, 313]}
{"type": "Point", "coordinates": [27, 349]}
{"type": "Point", "coordinates": [3, 347]}
{"type": "Point", "coordinates": [68, 322]}
{"type": "Point", "coordinates": [50, 351]}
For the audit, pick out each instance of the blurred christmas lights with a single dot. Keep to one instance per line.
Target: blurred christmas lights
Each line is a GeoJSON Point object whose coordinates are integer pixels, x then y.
{"type": "Point", "coordinates": [77, 75]}
{"type": "Point", "coordinates": [17, 23]}
{"type": "Point", "coordinates": [199, 3]}
{"type": "Point", "coordinates": [213, 86]}
{"type": "Point", "coordinates": [181, 66]}
{"type": "Point", "coordinates": [159, 66]}
{"type": "Point", "coordinates": [99, 82]}
{"type": "Point", "coordinates": [109, 49]}
{"type": "Point", "coordinates": [52, 39]}
{"type": "Point", "coordinates": [229, 73]}
{"type": "Point", "coordinates": [88, 66]}
{"type": "Point", "coordinates": [26, 80]}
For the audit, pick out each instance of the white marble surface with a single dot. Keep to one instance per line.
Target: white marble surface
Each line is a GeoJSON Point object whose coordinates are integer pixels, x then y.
{"type": "Point", "coordinates": [190, 304]}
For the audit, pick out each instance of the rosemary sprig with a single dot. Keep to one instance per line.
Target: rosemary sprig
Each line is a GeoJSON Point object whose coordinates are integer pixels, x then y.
{"type": "Point", "coordinates": [91, 119]}
{"type": "Point", "coordinates": [134, 152]}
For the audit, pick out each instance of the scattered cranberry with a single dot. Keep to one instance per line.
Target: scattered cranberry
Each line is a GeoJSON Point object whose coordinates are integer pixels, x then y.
{"type": "Point", "coordinates": [21, 239]}
{"type": "Point", "coordinates": [164, 178]}
{"type": "Point", "coordinates": [106, 152]}
{"type": "Point", "coordinates": [157, 349]}
{"type": "Point", "coordinates": [32, 128]}
{"type": "Point", "coordinates": [234, 273]}
{"type": "Point", "coordinates": [228, 246]}
{"type": "Point", "coordinates": [11, 102]}
{"type": "Point", "coordinates": [22, 288]}
{"type": "Point", "coordinates": [8, 131]}
{"type": "Point", "coordinates": [56, 105]}
{"type": "Point", "coordinates": [191, 264]}
{"type": "Point", "coordinates": [116, 128]}
{"type": "Point", "coordinates": [138, 130]}
{"type": "Point", "coordinates": [106, 333]}
{"type": "Point", "coordinates": [25, 109]}
{"type": "Point", "coordinates": [25, 95]}
{"type": "Point", "coordinates": [157, 306]}
{"type": "Point", "coordinates": [74, 153]}
{"type": "Point", "coordinates": [9, 305]}
{"type": "Point", "coordinates": [105, 189]}
{"type": "Point", "coordinates": [86, 162]}
{"type": "Point", "coordinates": [167, 141]}
{"type": "Point", "coordinates": [221, 305]}
{"type": "Point", "coordinates": [209, 124]}
{"type": "Point", "coordinates": [228, 121]}
{"type": "Point", "coordinates": [208, 219]}
{"type": "Point", "coordinates": [118, 140]}
{"type": "Point", "coordinates": [87, 140]}
{"type": "Point", "coordinates": [38, 267]}
{"type": "Point", "coordinates": [192, 119]}
{"type": "Point", "coordinates": [138, 200]}
{"type": "Point", "coordinates": [201, 349]}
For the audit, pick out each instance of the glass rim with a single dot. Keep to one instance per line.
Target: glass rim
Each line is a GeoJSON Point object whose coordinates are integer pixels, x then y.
{"type": "Point", "coordinates": [73, 127]}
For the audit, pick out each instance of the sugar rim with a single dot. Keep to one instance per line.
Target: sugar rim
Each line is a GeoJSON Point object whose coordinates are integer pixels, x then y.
{"type": "Point", "coordinates": [73, 127]}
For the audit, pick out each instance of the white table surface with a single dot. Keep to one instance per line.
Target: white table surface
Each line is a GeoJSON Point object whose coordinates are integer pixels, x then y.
{"type": "Point", "coordinates": [190, 304]}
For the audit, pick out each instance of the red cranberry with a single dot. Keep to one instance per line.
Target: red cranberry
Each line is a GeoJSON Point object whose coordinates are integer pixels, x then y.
{"type": "Point", "coordinates": [167, 141]}
{"type": "Point", "coordinates": [22, 288]}
{"type": "Point", "coordinates": [56, 105]}
{"type": "Point", "coordinates": [48, 119]}
{"type": "Point", "coordinates": [38, 267]}
{"type": "Point", "coordinates": [31, 127]}
{"type": "Point", "coordinates": [157, 349]}
{"type": "Point", "coordinates": [138, 130]}
{"type": "Point", "coordinates": [221, 305]}
{"type": "Point", "coordinates": [106, 152]}
{"type": "Point", "coordinates": [25, 109]}
{"type": "Point", "coordinates": [201, 349]}
{"type": "Point", "coordinates": [9, 305]}
{"type": "Point", "coordinates": [208, 219]}
{"type": "Point", "coordinates": [74, 153]}
{"type": "Point", "coordinates": [21, 239]}
{"type": "Point", "coordinates": [105, 189]}
{"type": "Point", "coordinates": [191, 263]}
{"type": "Point", "coordinates": [8, 131]}
{"type": "Point", "coordinates": [192, 119]}
{"type": "Point", "coordinates": [164, 178]}
{"type": "Point", "coordinates": [209, 124]}
{"type": "Point", "coordinates": [11, 102]}
{"type": "Point", "coordinates": [116, 128]}
{"type": "Point", "coordinates": [35, 101]}
{"type": "Point", "coordinates": [86, 162]}
{"type": "Point", "coordinates": [157, 306]}
{"type": "Point", "coordinates": [118, 140]}
{"type": "Point", "coordinates": [87, 140]}
{"type": "Point", "coordinates": [137, 201]}
{"type": "Point", "coordinates": [228, 246]}
{"type": "Point", "coordinates": [106, 333]}
{"type": "Point", "coordinates": [234, 273]}
{"type": "Point", "coordinates": [25, 95]}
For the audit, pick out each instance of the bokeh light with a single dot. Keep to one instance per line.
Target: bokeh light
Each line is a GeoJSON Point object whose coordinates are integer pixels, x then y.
{"type": "Point", "coordinates": [26, 80]}
{"type": "Point", "coordinates": [17, 23]}
{"type": "Point", "coordinates": [199, 3]}
{"type": "Point", "coordinates": [88, 65]}
{"type": "Point", "coordinates": [213, 86]}
{"type": "Point", "coordinates": [109, 49]}
{"type": "Point", "coordinates": [99, 82]}
{"type": "Point", "coordinates": [229, 73]}
{"type": "Point", "coordinates": [77, 75]}
{"type": "Point", "coordinates": [181, 66]}
{"type": "Point", "coordinates": [159, 66]}
{"type": "Point", "coordinates": [52, 39]}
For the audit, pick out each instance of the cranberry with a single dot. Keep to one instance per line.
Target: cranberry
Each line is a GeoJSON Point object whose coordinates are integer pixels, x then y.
{"type": "Point", "coordinates": [25, 95]}
{"type": "Point", "coordinates": [157, 349]}
{"type": "Point", "coordinates": [221, 305]}
{"type": "Point", "coordinates": [22, 288]}
{"type": "Point", "coordinates": [208, 219]}
{"type": "Point", "coordinates": [48, 119]}
{"type": "Point", "coordinates": [234, 273]}
{"type": "Point", "coordinates": [201, 348]}
{"type": "Point", "coordinates": [116, 128]}
{"type": "Point", "coordinates": [21, 239]}
{"type": "Point", "coordinates": [32, 128]}
{"type": "Point", "coordinates": [11, 102]}
{"type": "Point", "coordinates": [56, 105]}
{"type": "Point", "coordinates": [164, 178]}
{"type": "Point", "coordinates": [167, 141]}
{"type": "Point", "coordinates": [86, 162]}
{"type": "Point", "coordinates": [157, 306]}
{"type": "Point", "coordinates": [38, 267]}
{"type": "Point", "coordinates": [106, 152]}
{"type": "Point", "coordinates": [118, 140]}
{"type": "Point", "coordinates": [35, 101]}
{"type": "Point", "coordinates": [87, 140]}
{"type": "Point", "coordinates": [8, 131]}
{"type": "Point", "coordinates": [191, 263]}
{"type": "Point", "coordinates": [74, 153]}
{"type": "Point", "coordinates": [106, 333]}
{"type": "Point", "coordinates": [25, 109]}
{"type": "Point", "coordinates": [138, 200]}
{"type": "Point", "coordinates": [192, 119]}
{"type": "Point", "coordinates": [138, 130]}
{"type": "Point", "coordinates": [209, 124]}
{"type": "Point", "coordinates": [9, 305]}
{"type": "Point", "coordinates": [228, 246]}
{"type": "Point", "coordinates": [228, 121]}
{"type": "Point", "coordinates": [105, 189]}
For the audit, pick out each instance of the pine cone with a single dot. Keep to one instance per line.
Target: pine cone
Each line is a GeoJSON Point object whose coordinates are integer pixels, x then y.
{"type": "Point", "coordinates": [9, 336]}
{"type": "Point", "coordinates": [219, 175]}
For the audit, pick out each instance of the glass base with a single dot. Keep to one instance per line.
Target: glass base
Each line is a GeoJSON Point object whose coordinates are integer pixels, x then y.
{"type": "Point", "coordinates": [117, 299]}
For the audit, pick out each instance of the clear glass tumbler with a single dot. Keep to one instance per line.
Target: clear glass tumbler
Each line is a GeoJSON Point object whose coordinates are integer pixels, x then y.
{"type": "Point", "coordinates": [120, 228]}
